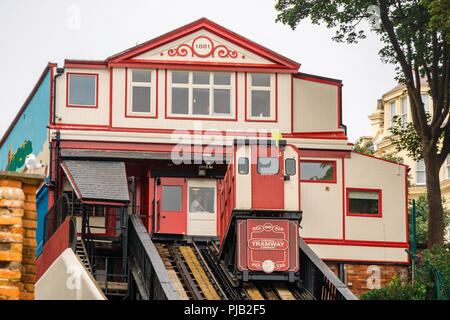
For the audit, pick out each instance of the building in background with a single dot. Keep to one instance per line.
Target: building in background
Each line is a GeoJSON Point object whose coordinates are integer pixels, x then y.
{"type": "Point", "coordinates": [396, 103]}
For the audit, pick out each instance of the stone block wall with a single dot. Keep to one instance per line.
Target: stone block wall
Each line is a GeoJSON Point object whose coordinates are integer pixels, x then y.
{"type": "Point", "coordinates": [17, 235]}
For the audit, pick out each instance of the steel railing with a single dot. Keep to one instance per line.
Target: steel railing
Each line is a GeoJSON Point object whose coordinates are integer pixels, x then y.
{"type": "Point", "coordinates": [318, 279]}
{"type": "Point", "coordinates": [146, 265]}
{"type": "Point", "coordinates": [55, 217]}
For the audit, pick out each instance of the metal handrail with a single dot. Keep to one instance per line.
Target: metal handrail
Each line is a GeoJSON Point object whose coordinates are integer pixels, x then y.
{"type": "Point", "coordinates": [146, 264]}
{"type": "Point", "coordinates": [318, 279]}
{"type": "Point", "coordinates": [55, 217]}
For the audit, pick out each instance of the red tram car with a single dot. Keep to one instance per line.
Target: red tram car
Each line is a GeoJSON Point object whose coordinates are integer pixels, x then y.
{"type": "Point", "coordinates": [259, 212]}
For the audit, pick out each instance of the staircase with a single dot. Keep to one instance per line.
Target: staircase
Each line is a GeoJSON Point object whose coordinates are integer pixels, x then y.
{"type": "Point", "coordinates": [80, 250]}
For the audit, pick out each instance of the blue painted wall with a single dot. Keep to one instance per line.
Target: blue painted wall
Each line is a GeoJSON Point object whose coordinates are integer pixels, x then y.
{"type": "Point", "coordinates": [28, 136]}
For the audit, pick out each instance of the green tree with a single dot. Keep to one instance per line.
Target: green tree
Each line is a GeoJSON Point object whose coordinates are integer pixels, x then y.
{"type": "Point", "coordinates": [415, 35]}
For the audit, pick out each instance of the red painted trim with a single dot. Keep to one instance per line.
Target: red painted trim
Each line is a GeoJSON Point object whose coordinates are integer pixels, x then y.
{"type": "Point", "coordinates": [292, 104]}
{"type": "Point", "coordinates": [213, 28]}
{"type": "Point", "coordinates": [205, 118]}
{"type": "Point", "coordinates": [110, 96]}
{"type": "Point", "coordinates": [379, 215]}
{"type": "Point", "coordinates": [130, 146]}
{"type": "Point", "coordinates": [276, 103]}
{"type": "Point", "coordinates": [358, 243]}
{"type": "Point", "coordinates": [298, 174]}
{"type": "Point", "coordinates": [165, 93]}
{"type": "Point", "coordinates": [156, 98]}
{"type": "Point", "coordinates": [52, 94]}
{"type": "Point", "coordinates": [68, 126]}
{"type": "Point", "coordinates": [406, 204]}
{"type": "Point", "coordinates": [363, 154]}
{"type": "Point", "coordinates": [339, 106]}
{"type": "Point", "coordinates": [315, 153]}
{"type": "Point", "coordinates": [104, 203]}
{"type": "Point", "coordinates": [53, 248]}
{"type": "Point", "coordinates": [202, 65]}
{"type": "Point", "coordinates": [368, 261]}
{"type": "Point", "coordinates": [85, 64]}
{"type": "Point", "coordinates": [334, 135]}
{"type": "Point", "coordinates": [67, 89]}
{"type": "Point", "coordinates": [321, 181]}
{"type": "Point", "coordinates": [343, 199]}
{"type": "Point", "coordinates": [318, 80]}
{"type": "Point", "coordinates": [245, 96]}
{"type": "Point", "coordinates": [72, 180]}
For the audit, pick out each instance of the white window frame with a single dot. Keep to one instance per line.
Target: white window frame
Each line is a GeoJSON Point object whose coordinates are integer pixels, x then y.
{"type": "Point", "coordinates": [211, 86]}
{"type": "Point", "coordinates": [404, 112]}
{"type": "Point", "coordinates": [151, 85]}
{"type": "Point", "coordinates": [271, 89]}
{"type": "Point", "coordinates": [447, 167]}
{"type": "Point", "coordinates": [392, 104]}
{"type": "Point", "coordinates": [425, 181]}
{"type": "Point", "coordinates": [426, 97]}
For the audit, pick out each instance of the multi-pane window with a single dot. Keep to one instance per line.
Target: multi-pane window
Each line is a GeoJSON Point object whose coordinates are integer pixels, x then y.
{"type": "Point", "coordinates": [260, 95]}
{"type": "Point", "coordinates": [82, 90]}
{"type": "Point", "coordinates": [201, 93]}
{"type": "Point", "coordinates": [393, 110]}
{"type": "Point", "coordinates": [317, 171]}
{"type": "Point", "coordinates": [404, 114]}
{"type": "Point", "coordinates": [420, 172]}
{"type": "Point", "coordinates": [364, 202]}
{"type": "Point", "coordinates": [141, 91]}
{"type": "Point", "coordinates": [426, 102]}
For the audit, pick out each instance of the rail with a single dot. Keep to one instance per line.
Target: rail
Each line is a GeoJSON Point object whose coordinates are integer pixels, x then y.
{"type": "Point", "coordinates": [55, 217]}
{"type": "Point", "coordinates": [146, 265]}
{"type": "Point", "coordinates": [318, 279]}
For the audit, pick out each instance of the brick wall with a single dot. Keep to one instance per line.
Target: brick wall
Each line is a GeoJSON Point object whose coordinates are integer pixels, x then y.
{"type": "Point", "coordinates": [17, 235]}
{"type": "Point", "coordinates": [360, 278]}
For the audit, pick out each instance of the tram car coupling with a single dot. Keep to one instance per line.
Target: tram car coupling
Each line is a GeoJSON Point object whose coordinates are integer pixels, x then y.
{"type": "Point", "coordinates": [260, 212]}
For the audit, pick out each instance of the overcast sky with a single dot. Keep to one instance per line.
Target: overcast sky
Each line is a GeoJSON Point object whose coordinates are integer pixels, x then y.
{"type": "Point", "coordinates": [34, 33]}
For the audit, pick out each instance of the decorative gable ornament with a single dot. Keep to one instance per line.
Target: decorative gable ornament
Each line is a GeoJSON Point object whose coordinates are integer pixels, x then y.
{"type": "Point", "coordinates": [203, 47]}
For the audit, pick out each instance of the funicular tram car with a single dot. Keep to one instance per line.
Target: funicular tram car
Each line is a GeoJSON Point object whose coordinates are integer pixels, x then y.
{"type": "Point", "coordinates": [253, 210]}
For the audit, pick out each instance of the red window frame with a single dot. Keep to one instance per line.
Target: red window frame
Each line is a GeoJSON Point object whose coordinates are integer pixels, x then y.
{"type": "Point", "coordinates": [379, 215]}
{"type": "Point", "coordinates": [67, 89]}
{"type": "Point", "coordinates": [320, 161]}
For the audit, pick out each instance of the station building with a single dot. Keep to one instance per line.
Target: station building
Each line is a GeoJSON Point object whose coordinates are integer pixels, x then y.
{"type": "Point", "coordinates": [149, 131]}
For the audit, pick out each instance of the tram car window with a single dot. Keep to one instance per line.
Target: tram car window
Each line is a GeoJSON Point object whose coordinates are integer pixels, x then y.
{"type": "Point", "coordinates": [317, 170]}
{"type": "Point", "coordinates": [171, 198]}
{"type": "Point", "coordinates": [289, 166]}
{"type": "Point", "coordinates": [243, 165]}
{"type": "Point", "coordinates": [201, 199]}
{"type": "Point", "coordinates": [268, 165]}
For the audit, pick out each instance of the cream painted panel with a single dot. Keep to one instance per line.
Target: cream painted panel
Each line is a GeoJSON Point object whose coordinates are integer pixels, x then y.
{"type": "Point", "coordinates": [55, 283]}
{"type": "Point", "coordinates": [321, 204]}
{"type": "Point", "coordinates": [359, 253]}
{"type": "Point", "coordinates": [204, 224]}
{"type": "Point", "coordinates": [315, 106]}
{"type": "Point", "coordinates": [161, 53]}
{"type": "Point", "coordinates": [371, 173]}
{"type": "Point", "coordinates": [284, 109]}
{"type": "Point", "coordinates": [291, 186]}
{"type": "Point", "coordinates": [243, 181]}
{"type": "Point", "coordinates": [80, 115]}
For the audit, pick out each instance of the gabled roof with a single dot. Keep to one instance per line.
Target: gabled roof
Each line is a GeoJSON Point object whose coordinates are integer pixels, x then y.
{"type": "Point", "coordinates": [275, 60]}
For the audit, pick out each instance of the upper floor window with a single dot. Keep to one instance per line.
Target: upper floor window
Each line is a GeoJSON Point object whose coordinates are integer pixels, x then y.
{"type": "Point", "coordinates": [261, 97]}
{"type": "Point", "coordinates": [426, 102]}
{"type": "Point", "coordinates": [141, 92]}
{"type": "Point", "coordinates": [420, 172]}
{"type": "Point", "coordinates": [404, 114]}
{"type": "Point", "coordinates": [82, 90]}
{"type": "Point", "coordinates": [201, 94]}
{"type": "Point", "coordinates": [393, 112]}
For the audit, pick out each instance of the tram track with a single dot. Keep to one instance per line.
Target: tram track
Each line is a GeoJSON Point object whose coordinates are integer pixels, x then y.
{"type": "Point", "coordinates": [197, 274]}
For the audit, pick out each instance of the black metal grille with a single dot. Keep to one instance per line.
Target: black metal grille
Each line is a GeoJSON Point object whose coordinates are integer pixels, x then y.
{"type": "Point", "coordinates": [55, 217]}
